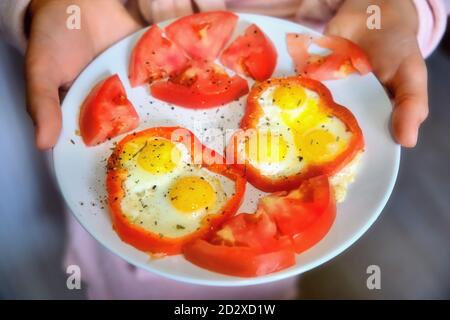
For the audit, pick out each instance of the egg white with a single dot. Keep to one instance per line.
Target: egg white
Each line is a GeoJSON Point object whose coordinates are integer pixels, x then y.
{"type": "Point", "coordinates": [342, 180]}
{"type": "Point", "coordinates": [289, 165]}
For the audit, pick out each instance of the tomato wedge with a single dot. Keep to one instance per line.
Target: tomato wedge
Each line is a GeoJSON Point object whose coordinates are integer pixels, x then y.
{"type": "Point", "coordinates": [155, 57]}
{"type": "Point", "coordinates": [133, 233]}
{"type": "Point", "coordinates": [252, 230]}
{"type": "Point", "coordinates": [106, 112]}
{"type": "Point", "coordinates": [252, 54]}
{"type": "Point", "coordinates": [344, 144]}
{"type": "Point", "coordinates": [201, 85]}
{"type": "Point", "coordinates": [240, 261]}
{"type": "Point", "coordinates": [346, 57]}
{"type": "Point", "coordinates": [203, 35]}
{"type": "Point", "coordinates": [305, 214]}
{"type": "Point", "coordinates": [247, 245]}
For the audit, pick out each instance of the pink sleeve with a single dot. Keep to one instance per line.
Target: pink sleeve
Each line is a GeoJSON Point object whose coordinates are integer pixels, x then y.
{"type": "Point", "coordinates": [12, 14]}
{"type": "Point", "coordinates": [432, 23]}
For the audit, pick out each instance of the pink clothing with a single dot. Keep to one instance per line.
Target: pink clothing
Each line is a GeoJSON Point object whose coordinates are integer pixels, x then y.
{"type": "Point", "coordinates": [432, 23]}
{"type": "Point", "coordinates": [432, 14]}
{"type": "Point", "coordinates": [108, 276]}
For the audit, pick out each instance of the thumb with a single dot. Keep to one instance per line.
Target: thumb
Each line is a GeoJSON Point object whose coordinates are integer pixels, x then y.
{"type": "Point", "coordinates": [43, 105]}
{"type": "Point", "coordinates": [409, 87]}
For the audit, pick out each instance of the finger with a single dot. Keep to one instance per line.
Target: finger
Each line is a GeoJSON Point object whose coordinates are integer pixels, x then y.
{"type": "Point", "coordinates": [409, 87]}
{"type": "Point", "coordinates": [43, 103]}
{"type": "Point", "coordinates": [339, 26]}
{"type": "Point", "coordinates": [332, 28]}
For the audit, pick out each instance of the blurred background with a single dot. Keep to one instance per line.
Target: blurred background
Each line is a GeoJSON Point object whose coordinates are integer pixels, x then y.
{"type": "Point", "coordinates": [410, 241]}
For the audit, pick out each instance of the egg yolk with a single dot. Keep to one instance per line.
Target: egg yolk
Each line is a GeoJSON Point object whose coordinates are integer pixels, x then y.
{"type": "Point", "coordinates": [188, 194]}
{"type": "Point", "coordinates": [155, 155]}
{"type": "Point", "coordinates": [318, 146]}
{"type": "Point", "coordinates": [265, 147]}
{"type": "Point", "coordinates": [158, 155]}
{"type": "Point", "coordinates": [289, 97]}
{"type": "Point", "coordinates": [308, 117]}
{"type": "Point", "coordinates": [131, 149]}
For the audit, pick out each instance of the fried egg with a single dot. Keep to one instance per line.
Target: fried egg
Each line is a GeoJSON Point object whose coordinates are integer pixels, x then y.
{"type": "Point", "coordinates": [291, 127]}
{"type": "Point", "coordinates": [307, 133]}
{"type": "Point", "coordinates": [165, 192]}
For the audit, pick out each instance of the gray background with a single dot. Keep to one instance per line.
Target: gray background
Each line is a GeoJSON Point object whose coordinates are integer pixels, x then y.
{"type": "Point", "coordinates": [410, 241]}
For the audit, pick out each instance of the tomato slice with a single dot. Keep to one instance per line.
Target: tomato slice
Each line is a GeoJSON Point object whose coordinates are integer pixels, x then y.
{"type": "Point", "coordinates": [298, 45]}
{"type": "Point", "coordinates": [252, 54]}
{"type": "Point", "coordinates": [346, 57]}
{"type": "Point", "coordinates": [106, 112]}
{"type": "Point", "coordinates": [201, 85]}
{"type": "Point", "coordinates": [247, 245]}
{"type": "Point", "coordinates": [155, 57]}
{"type": "Point", "coordinates": [143, 239]}
{"type": "Point", "coordinates": [305, 214]}
{"type": "Point", "coordinates": [203, 35]}
{"type": "Point", "coordinates": [349, 49]}
{"type": "Point", "coordinates": [251, 230]}
{"type": "Point", "coordinates": [240, 261]}
{"type": "Point", "coordinates": [252, 120]}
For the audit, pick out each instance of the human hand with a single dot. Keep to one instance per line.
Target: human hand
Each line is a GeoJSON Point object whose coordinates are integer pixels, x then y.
{"type": "Point", "coordinates": [395, 57]}
{"type": "Point", "coordinates": [56, 54]}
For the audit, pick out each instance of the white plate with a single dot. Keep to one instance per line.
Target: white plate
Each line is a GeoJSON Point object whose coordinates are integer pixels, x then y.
{"type": "Point", "coordinates": [80, 170]}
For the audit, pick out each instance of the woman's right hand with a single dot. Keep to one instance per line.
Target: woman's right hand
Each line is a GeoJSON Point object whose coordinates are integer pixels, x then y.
{"type": "Point", "coordinates": [57, 54]}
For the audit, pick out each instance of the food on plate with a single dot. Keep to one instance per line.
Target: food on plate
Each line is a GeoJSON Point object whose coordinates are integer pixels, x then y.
{"type": "Point", "coordinates": [345, 57]}
{"type": "Point", "coordinates": [182, 61]}
{"type": "Point", "coordinates": [179, 62]}
{"type": "Point", "coordinates": [201, 85]}
{"type": "Point", "coordinates": [165, 189]}
{"type": "Point", "coordinates": [154, 57]}
{"type": "Point", "coordinates": [292, 131]}
{"type": "Point", "coordinates": [252, 54]}
{"type": "Point", "coordinates": [106, 112]}
{"type": "Point", "coordinates": [203, 35]}
{"type": "Point", "coordinates": [342, 179]}
{"type": "Point", "coordinates": [247, 245]}
{"type": "Point", "coordinates": [285, 223]}
{"type": "Point", "coordinates": [305, 214]}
